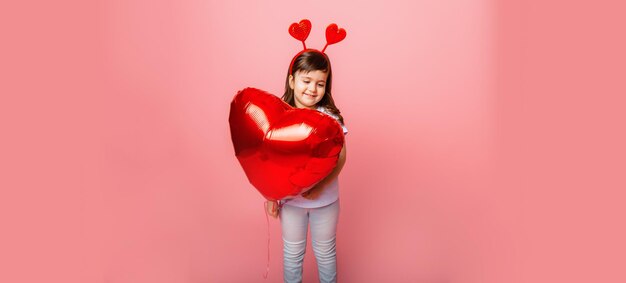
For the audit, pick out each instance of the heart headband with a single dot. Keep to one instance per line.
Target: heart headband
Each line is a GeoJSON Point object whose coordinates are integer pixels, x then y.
{"type": "Point", "coordinates": [301, 30]}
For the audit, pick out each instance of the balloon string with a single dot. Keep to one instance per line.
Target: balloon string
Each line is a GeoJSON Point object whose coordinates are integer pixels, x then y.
{"type": "Point", "coordinates": [267, 219]}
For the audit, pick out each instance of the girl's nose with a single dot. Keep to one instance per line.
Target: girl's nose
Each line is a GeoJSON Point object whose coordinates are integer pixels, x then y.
{"type": "Point", "coordinates": [311, 87]}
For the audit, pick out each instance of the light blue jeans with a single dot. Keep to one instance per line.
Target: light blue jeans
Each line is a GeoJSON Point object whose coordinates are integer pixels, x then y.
{"type": "Point", "coordinates": [294, 221]}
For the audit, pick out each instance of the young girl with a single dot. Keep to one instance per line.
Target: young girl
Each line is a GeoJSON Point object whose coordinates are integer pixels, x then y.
{"type": "Point", "coordinates": [308, 85]}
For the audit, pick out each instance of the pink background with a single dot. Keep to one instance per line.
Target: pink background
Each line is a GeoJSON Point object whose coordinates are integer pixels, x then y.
{"type": "Point", "coordinates": [485, 145]}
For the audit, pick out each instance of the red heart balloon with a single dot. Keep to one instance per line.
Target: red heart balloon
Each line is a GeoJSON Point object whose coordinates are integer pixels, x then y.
{"type": "Point", "coordinates": [283, 150]}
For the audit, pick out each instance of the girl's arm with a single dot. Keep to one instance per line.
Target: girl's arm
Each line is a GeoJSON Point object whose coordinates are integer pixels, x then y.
{"type": "Point", "coordinates": [314, 192]}
{"type": "Point", "coordinates": [271, 206]}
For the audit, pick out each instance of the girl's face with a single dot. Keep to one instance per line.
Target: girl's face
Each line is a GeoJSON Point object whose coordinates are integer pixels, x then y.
{"type": "Point", "coordinates": [308, 88]}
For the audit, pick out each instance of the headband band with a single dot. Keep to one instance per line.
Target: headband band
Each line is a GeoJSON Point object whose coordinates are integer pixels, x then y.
{"type": "Point", "coordinates": [301, 31]}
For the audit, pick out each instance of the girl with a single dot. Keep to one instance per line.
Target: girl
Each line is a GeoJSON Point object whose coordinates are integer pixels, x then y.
{"type": "Point", "coordinates": [308, 85]}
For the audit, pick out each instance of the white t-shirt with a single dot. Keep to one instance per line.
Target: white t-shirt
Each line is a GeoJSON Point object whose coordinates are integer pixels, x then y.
{"type": "Point", "coordinates": [330, 193]}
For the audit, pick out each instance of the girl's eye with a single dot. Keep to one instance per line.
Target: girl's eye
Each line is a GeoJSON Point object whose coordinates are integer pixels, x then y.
{"type": "Point", "coordinates": [320, 85]}
{"type": "Point", "coordinates": [306, 82]}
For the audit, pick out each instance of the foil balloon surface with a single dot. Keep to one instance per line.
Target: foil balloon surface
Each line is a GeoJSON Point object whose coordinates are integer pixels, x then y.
{"type": "Point", "coordinates": [283, 150]}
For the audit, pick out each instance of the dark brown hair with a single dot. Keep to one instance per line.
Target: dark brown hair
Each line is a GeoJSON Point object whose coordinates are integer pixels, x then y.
{"type": "Point", "coordinates": [313, 60]}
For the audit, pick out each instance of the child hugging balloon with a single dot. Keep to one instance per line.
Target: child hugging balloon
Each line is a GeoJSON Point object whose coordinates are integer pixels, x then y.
{"type": "Point", "coordinates": [308, 85]}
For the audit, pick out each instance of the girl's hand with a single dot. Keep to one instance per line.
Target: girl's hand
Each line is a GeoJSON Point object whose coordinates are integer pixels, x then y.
{"type": "Point", "coordinates": [271, 206]}
{"type": "Point", "coordinates": [313, 193]}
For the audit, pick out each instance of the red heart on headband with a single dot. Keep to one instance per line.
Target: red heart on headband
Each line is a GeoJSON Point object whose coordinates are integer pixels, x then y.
{"type": "Point", "coordinates": [283, 150]}
{"type": "Point", "coordinates": [334, 34]}
{"type": "Point", "coordinates": [300, 31]}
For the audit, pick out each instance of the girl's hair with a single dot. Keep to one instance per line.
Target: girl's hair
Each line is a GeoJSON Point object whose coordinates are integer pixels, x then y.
{"type": "Point", "coordinates": [313, 61]}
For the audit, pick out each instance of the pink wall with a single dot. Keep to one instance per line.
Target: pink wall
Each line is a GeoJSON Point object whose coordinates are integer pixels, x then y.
{"type": "Point", "coordinates": [485, 143]}
{"type": "Point", "coordinates": [561, 138]}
